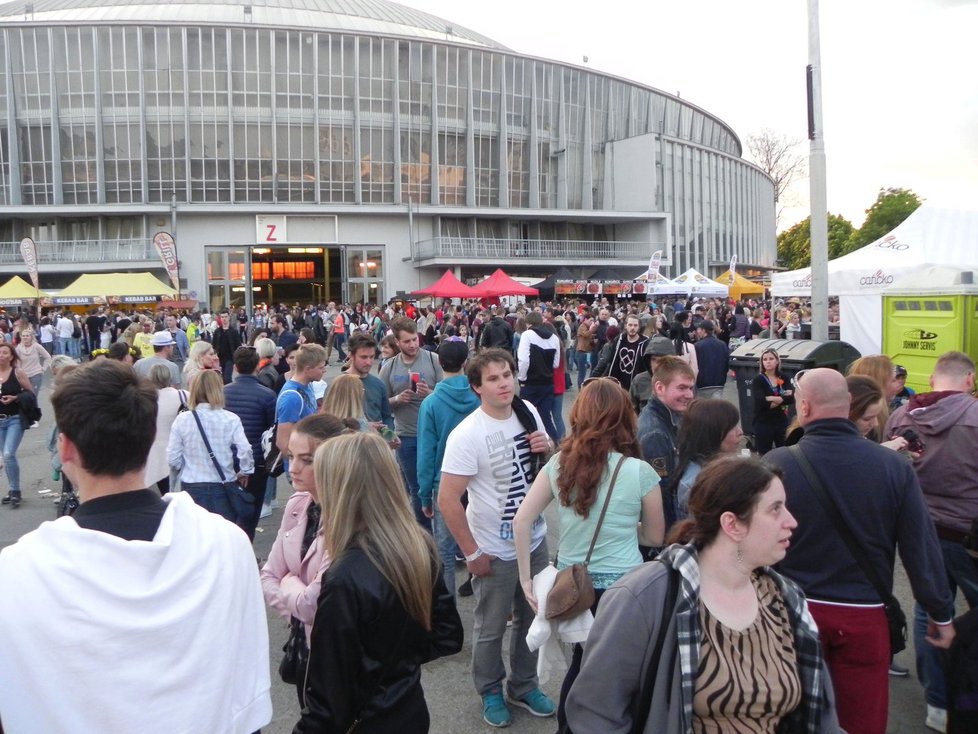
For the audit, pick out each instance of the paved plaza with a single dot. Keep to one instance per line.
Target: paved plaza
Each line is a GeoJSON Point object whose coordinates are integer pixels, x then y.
{"type": "Point", "coordinates": [454, 706]}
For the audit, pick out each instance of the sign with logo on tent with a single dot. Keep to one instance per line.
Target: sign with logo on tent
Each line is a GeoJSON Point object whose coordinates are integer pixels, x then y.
{"type": "Point", "coordinates": [564, 288]}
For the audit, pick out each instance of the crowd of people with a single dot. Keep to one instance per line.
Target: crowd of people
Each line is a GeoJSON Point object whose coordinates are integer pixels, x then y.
{"type": "Point", "coordinates": [731, 592]}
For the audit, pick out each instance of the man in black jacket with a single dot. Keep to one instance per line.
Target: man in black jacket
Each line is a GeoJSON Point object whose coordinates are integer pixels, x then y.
{"type": "Point", "coordinates": [879, 498]}
{"type": "Point", "coordinates": [497, 333]}
{"type": "Point", "coordinates": [713, 359]}
{"type": "Point", "coordinates": [254, 404]}
{"type": "Point", "coordinates": [658, 423]}
{"type": "Point", "coordinates": [226, 340]}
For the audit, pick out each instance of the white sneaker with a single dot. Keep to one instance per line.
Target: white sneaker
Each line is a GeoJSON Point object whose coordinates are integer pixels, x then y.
{"type": "Point", "coordinates": [936, 719]}
{"type": "Point", "coordinates": [266, 511]}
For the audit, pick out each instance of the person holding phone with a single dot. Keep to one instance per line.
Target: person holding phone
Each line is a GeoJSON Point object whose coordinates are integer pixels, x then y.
{"type": "Point", "coordinates": [409, 377]}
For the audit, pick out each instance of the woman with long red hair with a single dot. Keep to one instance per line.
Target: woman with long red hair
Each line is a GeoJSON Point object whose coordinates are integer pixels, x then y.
{"type": "Point", "coordinates": [603, 433]}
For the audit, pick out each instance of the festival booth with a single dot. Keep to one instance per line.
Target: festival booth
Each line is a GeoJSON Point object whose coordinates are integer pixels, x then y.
{"type": "Point", "coordinates": [659, 286]}
{"type": "Point", "coordinates": [18, 292]}
{"type": "Point", "coordinates": [113, 288]}
{"type": "Point", "coordinates": [920, 275]}
{"type": "Point", "coordinates": [739, 286]}
{"type": "Point", "coordinates": [694, 283]}
{"type": "Point", "coordinates": [500, 284]}
{"type": "Point", "coordinates": [447, 286]}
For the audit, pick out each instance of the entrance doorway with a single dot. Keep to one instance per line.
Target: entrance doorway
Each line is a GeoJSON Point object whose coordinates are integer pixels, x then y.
{"type": "Point", "coordinates": [244, 276]}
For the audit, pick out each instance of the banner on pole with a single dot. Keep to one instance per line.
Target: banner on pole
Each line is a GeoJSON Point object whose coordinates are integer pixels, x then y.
{"type": "Point", "coordinates": [28, 251]}
{"type": "Point", "coordinates": [166, 248]}
{"type": "Point", "coordinates": [733, 269]}
{"type": "Point", "coordinates": [654, 261]}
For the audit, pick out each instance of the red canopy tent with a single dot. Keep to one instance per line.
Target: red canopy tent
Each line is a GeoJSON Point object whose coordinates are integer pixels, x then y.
{"type": "Point", "coordinates": [447, 286]}
{"type": "Point", "coordinates": [500, 284]}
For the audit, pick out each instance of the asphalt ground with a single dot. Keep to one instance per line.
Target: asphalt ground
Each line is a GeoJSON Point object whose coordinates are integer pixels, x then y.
{"type": "Point", "coordinates": [454, 706]}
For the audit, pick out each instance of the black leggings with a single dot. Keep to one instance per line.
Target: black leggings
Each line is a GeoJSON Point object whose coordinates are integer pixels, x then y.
{"type": "Point", "coordinates": [572, 672]}
{"type": "Point", "coordinates": [768, 435]}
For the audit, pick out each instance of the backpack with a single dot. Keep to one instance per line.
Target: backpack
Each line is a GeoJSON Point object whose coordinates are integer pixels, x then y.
{"type": "Point", "coordinates": [274, 465]}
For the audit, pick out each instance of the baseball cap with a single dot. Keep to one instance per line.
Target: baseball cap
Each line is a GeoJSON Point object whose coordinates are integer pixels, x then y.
{"type": "Point", "coordinates": [899, 371]}
{"type": "Point", "coordinates": [659, 346]}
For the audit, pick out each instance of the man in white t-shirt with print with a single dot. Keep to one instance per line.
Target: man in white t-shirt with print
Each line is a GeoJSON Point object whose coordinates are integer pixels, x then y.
{"type": "Point", "coordinates": [490, 454]}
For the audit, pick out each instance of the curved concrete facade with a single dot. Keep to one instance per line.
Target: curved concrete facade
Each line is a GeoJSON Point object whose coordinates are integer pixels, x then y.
{"type": "Point", "coordinates": [385, 130]}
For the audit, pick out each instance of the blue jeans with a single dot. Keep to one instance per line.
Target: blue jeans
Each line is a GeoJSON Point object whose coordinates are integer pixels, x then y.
{"type": "Point", "coordinates": [446, 547]}
{"type": "Point", "coordinates": [213, 497]}
{"type": "Point", "coordinates": [407, 457]}
{"type": "Point", "coordinates": [542, 398]}
{"type": "Point", "coordinates": [962, 573]}
{"type": "Point", "coordinates": [582, 358]}
{"type": "Point", "coordinates": [338, 341]}
{"type": "Point", "coordinates": [557, 412]}
{"type": "Point", "coordinates": [11, 434]}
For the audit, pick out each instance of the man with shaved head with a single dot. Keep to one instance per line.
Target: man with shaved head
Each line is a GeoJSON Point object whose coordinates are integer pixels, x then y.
{"type": "Point", "coordinates": [878, 497]}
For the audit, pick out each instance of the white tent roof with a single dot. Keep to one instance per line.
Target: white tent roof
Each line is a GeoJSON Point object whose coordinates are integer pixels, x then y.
{"type": "Point", "coordinates": [930, 249]}
{"type": "Point", "coordinates": [696, 284]}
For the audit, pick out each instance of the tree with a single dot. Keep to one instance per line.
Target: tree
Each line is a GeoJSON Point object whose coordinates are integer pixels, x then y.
{"type": "Point", "coordinates": [795, 244]}
{"type": "Point", "coordinates": [891, 207]}
{"type": "Point", "coordinates": [777, 156]}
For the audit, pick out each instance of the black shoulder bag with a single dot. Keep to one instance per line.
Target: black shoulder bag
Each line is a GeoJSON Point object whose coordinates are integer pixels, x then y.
{"type": "Point", "coordinates": [895, 618]}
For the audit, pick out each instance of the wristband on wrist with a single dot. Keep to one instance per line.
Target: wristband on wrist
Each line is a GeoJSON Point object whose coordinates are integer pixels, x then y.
{"type": "Point", "coordinates": [474, 556]}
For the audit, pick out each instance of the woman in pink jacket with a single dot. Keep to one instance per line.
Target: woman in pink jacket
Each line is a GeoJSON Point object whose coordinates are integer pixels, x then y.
{"type": "Point", "coordinates": [291, 576]}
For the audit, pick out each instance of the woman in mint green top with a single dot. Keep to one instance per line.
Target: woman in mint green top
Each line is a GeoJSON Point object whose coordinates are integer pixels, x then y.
{"type": "Point", "coordinates": [602, 429]}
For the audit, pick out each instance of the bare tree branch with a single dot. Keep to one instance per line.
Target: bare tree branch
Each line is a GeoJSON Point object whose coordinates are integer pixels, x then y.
{"type": "Point", "coordinates": [778, 156]}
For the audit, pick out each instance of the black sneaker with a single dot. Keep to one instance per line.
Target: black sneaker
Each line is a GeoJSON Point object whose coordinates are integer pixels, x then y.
{"type": "Point", "coordinates": [466, 588]}
{"type": "Point", "coordinates": [6, 500]}
{"type": "Point", "coordinates": [15, 501]}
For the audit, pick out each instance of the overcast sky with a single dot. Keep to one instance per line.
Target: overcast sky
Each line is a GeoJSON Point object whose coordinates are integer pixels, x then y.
{"type": "Point", "coordinates": [900, 92]}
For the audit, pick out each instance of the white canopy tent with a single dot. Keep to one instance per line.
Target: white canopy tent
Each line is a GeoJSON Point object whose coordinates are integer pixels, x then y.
{"type": "Point", "coordinates": [694, 283]}
{"type": "Point", "coordinates": [658, 286]}
{"type": "Point", "coordinates": [928, 252]}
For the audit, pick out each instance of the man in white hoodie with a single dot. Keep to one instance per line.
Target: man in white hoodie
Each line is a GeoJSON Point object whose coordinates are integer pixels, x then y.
{"type": "Point", "coordinates": [141, 588]}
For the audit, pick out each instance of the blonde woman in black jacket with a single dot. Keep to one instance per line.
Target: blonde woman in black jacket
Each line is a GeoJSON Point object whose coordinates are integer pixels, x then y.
{"type": "Point", "coordinates": [383, 609]}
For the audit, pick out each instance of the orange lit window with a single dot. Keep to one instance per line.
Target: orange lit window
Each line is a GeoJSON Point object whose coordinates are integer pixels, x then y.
{"type": "Point", "coordinates": [293, 270]}
{"type": "Point", "coordinates": [236, 271]}
{"type": "Point", "coordinates": [259, 271]}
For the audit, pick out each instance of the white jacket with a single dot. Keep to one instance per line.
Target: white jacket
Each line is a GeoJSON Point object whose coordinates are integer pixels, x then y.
{"type": "Point", "coordinates": [106, 636]}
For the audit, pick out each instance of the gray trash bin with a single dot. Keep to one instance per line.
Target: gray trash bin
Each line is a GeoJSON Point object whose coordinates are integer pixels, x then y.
{"type": "Point", "coordinates": [795, 354]}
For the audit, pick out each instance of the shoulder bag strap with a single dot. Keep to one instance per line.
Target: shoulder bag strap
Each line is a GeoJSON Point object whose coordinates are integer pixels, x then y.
{"type": "Point", "coordinates": [644, 701]}
{"type": "Point", "coordinates": [207, 445]}
{"type": "Point", "coordinates": [840, 524]}
{"type": "Point", "coordinates": [604, 509]}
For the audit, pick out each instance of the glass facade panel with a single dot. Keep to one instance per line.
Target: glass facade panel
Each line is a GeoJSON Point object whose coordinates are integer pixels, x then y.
{"type": "Point", "coordinates": [120, 114]}
{"type": "Point", "coordinates": [376, 92]}
{"type": "Point", "coordinates": [166, 114]}
{"type": "Point", "coordinates": [337, 67]}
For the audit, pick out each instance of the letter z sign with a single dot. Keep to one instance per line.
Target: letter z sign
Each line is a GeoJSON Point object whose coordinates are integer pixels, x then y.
{"type": "Point", "coordinates": [270, 230]}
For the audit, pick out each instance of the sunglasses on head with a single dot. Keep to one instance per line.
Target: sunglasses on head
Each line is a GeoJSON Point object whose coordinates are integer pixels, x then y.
{"type": "Point", "coordinates": [589, 380]}
{"type": "Point", "coordinates": [796, 379]}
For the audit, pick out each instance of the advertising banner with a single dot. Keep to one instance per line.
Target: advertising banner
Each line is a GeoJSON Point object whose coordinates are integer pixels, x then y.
{"type": "Point", "coordinates": [28, 251]}
{"type": "Point", "coordinates": [166, 248]}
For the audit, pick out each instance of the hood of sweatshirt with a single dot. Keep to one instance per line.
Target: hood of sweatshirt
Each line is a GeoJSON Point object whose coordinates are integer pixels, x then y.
{"type": "Point", "coordinates": [936, 412]}
{"type": "Point", "coordinates": [454, 394]}
{"type": "Point", "coordinates": [545, 331]}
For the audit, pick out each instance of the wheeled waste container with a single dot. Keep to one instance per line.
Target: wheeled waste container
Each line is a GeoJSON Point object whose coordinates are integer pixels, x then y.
{"type": "Point", "coordinates": [795, 355]}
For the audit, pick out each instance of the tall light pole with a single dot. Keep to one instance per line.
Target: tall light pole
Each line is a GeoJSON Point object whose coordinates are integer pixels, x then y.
{"type": "Point", "coordinates": [816, 167]}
